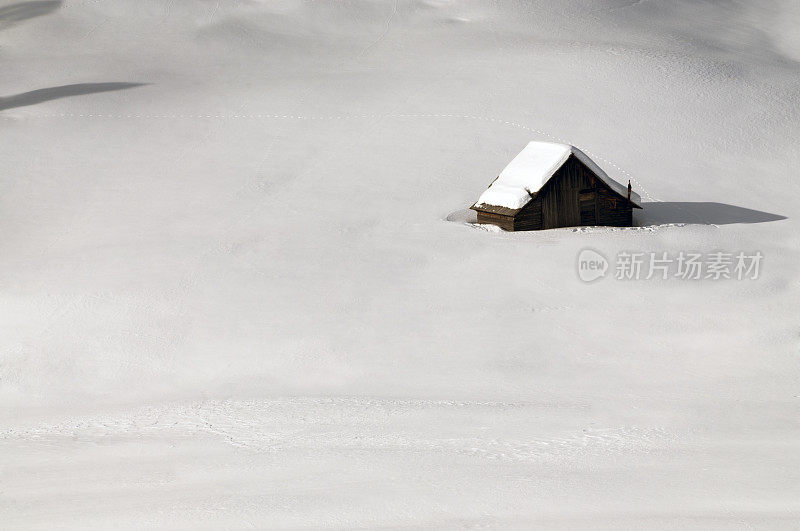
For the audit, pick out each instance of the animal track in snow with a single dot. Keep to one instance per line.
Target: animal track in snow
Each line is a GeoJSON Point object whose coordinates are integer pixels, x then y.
{"type": "Point", "coordinates": [349, 424]}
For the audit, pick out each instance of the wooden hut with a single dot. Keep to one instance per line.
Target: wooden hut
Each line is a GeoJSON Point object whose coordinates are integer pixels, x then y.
{"type": "Point", "coordinates": [552, 185]}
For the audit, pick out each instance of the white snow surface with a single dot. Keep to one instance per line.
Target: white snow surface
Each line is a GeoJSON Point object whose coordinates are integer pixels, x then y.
{"type": "Point", "coordinates": [240, 288]}
{"type": "Point", "coordinates": [532, 168]}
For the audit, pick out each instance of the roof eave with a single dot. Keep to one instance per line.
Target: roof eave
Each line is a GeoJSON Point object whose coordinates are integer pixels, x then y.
{"type": "Point", "coordinates": [493, 209]}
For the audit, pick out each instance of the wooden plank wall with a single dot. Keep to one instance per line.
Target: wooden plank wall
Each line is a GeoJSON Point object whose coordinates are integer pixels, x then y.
{"type": "Point", "coordinates": [613, 210]}
{"type": "Point", "coordinates": [504, 222]}
{"type": "Point", "coordinates": [560, 202]}
{"type": "Point", "coordinates": [530, 217]}
{"type": "Point", "coordinates": [587, 201]}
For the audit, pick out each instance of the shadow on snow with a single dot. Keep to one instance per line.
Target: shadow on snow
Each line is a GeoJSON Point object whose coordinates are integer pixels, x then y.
{"type": "Point", "coordinates": [42, 95]}
{"type": "Point", "coordinates": [10, 15]}
{"type": "Point", "coordinates": [702, 213]}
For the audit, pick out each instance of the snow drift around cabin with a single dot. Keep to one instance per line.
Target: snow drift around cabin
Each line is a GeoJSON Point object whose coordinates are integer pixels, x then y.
{"type": "Point", "coordinates": [530, 171]}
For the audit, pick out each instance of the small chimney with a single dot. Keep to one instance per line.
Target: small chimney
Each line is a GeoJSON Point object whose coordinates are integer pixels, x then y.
{"type": "Point", "coordinates": [629, 189]}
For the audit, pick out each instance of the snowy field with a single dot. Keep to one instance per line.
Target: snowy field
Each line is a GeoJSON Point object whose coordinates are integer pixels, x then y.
{"type": "Point", "coordinates": [239, 287]}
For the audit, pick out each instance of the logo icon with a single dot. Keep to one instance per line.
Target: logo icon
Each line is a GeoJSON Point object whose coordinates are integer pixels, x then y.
{"type": "Point", "coordinates": [591, 265]}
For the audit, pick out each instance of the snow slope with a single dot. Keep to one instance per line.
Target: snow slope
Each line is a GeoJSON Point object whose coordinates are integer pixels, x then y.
{"type": "Point", "coordinates": [231, 297]}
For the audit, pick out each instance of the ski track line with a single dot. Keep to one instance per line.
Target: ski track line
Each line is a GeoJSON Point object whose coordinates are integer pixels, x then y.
{"type": "Point", "coordinates": [646, 194]}
{"type": "Point", "coordinates": [387, 27]}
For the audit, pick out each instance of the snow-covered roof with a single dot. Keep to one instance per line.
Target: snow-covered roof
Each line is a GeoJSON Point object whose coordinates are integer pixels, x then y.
{"type": "Point", "coordinates": [530, 171]}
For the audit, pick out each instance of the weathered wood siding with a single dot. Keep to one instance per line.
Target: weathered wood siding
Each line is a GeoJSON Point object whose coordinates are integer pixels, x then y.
{"type": "Point", "coordinates": [530, 217]}
{"type": "Point", "coordinates": [587, 203]}
{"type": "Point", "coordinates": [504, 222]}
{"type": "Point", "coordinates": [613, 210]}
{"type": "Point", "coordinates": [560, 196]}
{"type": "Point", "coordinates": [576, 197]}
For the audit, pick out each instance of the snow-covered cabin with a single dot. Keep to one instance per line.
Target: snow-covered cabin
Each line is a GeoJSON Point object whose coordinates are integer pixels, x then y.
{"type": "Point", "coordinates": [551, 185]}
